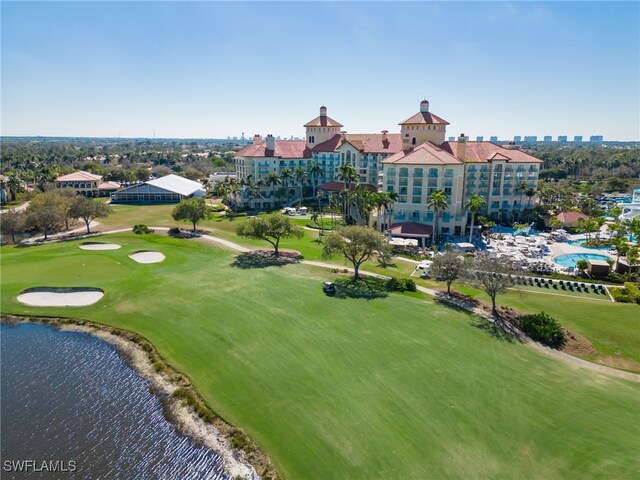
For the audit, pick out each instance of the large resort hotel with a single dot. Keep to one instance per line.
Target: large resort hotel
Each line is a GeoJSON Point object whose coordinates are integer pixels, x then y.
{"type": "Point", "coordinates": [413, 163]}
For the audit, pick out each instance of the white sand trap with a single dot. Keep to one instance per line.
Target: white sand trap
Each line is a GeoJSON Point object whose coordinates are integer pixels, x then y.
{"type": "Point", "coordinates": [147, 256]}
{"type": "Point", "coordinates": [99, 246]}
{"type": "Point", "coordinates": [60, 297]}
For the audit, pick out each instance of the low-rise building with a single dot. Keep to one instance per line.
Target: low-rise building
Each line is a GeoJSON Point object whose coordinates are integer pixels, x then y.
{"type": "Point", "coordinates": [167, 189]}
{"type": "Point", "coordinates": [88, 184]}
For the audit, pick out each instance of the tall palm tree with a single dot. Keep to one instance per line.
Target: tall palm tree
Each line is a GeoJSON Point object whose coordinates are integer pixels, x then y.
{"type": "Point", "coordinates": [387, 199]}
{"type": "Point", "coordinates": [286, 174]}
{"type": "Point", "coordinates": [315, 171]}
{"type": "Point", "coordinates": [273, 180]}
{"type": "Point", "coordinates": [301, 177]}
{"type": "Point", "coordinates": [522, 187]}
{"type": "Point", "coordinates": [438, 201]}
{"type": "Point", "coordinates": [348, 174]}
{"type": "Point", "coordinates": [473, 206]}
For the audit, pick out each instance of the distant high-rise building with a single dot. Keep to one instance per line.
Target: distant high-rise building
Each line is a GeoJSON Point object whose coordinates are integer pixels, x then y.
{"type": "Point", "coordinates": [547, 139]}
{"type": "Point", "coordinates": [479, 139]}
{"type": "Point", "coordinates": [530, 139]}
{"type": "Point", "coordinates": [493, 139]}
{"type": "Point", "coordinates": [577, 139]}
{"type": "Point", "coordinates": [452, 139]}
{"type": "Point", "coordinates": [562, 138]}
{"type": "Point", "coordinates": [517, 139]}
{"type": "Point", "coordinates": [595, 139]}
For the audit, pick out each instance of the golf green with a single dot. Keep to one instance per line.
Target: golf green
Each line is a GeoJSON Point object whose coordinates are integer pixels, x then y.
{"type": "Point", "coordinates": [395, 387]}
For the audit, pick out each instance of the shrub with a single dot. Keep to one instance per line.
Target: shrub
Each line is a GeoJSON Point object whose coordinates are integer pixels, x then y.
{"type": "Point", "coordinates": [141, 229]}
{"type": "Point", "coordinates": [543, 328]}
{"type": "Point", "coordinates": [400, 285]}
{"type": "Point", "coordinates": [630, 293]}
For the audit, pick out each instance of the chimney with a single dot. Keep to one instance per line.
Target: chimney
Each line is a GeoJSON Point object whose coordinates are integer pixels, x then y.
{"type": "Point", "coordinates": [257, 139]}
{"type": "Point", "coordinates": [406, 142]}
{"type": "Point", "coordinates": [343, 136]}
{"type": "Point", "coordinates": [384, 135]}
{"type": "Point", "coordinates": [424, 106]}
{"type": "Point", "coordinates": [461, 151]}
{"type": "Point", "coordinates": [323, 111]}
{"type": "Point", "coordinates": [271, 143]}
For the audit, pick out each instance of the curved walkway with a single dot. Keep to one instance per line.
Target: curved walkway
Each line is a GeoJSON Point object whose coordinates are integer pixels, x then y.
{"type": "Point", "coordinates": [569, 359]}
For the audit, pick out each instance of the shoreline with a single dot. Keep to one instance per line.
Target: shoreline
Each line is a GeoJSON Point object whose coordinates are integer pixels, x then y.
{"type": "Point", "coordinates": [182, 406]}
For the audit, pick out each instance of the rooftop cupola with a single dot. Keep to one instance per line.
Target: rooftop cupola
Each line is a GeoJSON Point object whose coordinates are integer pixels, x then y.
{"type": "Point", "coordinates": [321, 128]}
{"type": "Point", "coordinates": [424, 106]}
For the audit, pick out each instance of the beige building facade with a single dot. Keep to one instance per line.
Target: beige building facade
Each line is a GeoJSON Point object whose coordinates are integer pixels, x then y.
{"type": "Point", "coordinates": [413, 164]}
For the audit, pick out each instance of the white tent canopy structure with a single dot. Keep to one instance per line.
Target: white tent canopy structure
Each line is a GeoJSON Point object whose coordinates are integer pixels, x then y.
{"type": "Point", "coordinates": [167, 189]}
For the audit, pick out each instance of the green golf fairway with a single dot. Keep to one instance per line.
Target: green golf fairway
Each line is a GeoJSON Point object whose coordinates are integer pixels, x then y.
{"type": "Point", "coordinates": [397, 387]}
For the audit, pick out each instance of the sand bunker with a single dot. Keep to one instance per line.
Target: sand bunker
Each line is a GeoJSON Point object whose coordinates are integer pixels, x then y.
{"type": "Point", "coordinates": [60, 297]}
{"type": "Point", "coordinates": [99, 246]}
{"type": "Point", "coordinates": [147, 256]}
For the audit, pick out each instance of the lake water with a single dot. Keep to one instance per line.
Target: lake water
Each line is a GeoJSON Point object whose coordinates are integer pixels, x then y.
{"type": "Point", "coordinates": [68, 397]}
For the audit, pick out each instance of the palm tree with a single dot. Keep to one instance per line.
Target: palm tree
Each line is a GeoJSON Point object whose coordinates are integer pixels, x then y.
{"type": "Point", "coordinates": [473, 206]}
{"type": "Point", "coordinates": [554, 223]}
{"type": "Point", "coordinates": [301, 176]}
{"type": "Point", "coordinates": [438, 201]}
{"type": "Point", "coordinates": [286, 174]}
{"type": "Point", "coordinates": [273, 180]}
{"type": "Point", "coordinates": [315, 171]}
{"type": "Point", "coordinates": [386, 201]}
{"type": "Point", "coordinates": [348, 174]}
{"type": "Point", "coordinates": [522, 188]}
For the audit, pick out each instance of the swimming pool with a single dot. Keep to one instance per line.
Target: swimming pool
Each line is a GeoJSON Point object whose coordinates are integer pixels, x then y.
{"type": "Point", "coordinates": [569, 260]}
{"type": "Point", "coordinates": [580, 243]}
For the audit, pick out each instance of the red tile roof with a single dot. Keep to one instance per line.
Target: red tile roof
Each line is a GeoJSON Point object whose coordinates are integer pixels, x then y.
{"type": "Point", "coordinates": [424, 118]}
{"type": "Point", "coordinates": [571, 217]}
{"type": "Point", "coordinates": [424, 154]}
{"type": "Point", "coordinates": [364, 142]}
{"type": "Point", "coordinates": [109, 186]}
{"type": "Point", "coordinates": [323, 121]}
{"type": "Point", "coordinates": [283, 149]}
{"type": "Point", "coordinates": [339, 186]}
{"type": "Point", "coordinates": [79, 176]}
{"type": "Point", "coordinates": [410, 228]}
{"type": "Point", "coordinates": [487, 151]}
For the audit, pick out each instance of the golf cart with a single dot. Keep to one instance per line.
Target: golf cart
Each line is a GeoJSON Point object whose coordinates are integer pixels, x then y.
{"type": "Point", "coordinates": [329, 288]}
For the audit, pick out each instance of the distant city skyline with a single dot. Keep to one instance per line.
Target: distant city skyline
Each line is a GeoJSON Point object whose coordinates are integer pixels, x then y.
{"type": "Point", "coordinates": [214, 70]}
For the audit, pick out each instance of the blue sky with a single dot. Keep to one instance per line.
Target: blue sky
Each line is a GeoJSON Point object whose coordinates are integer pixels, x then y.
{"type": "Point", "coordinates": [216, 69]}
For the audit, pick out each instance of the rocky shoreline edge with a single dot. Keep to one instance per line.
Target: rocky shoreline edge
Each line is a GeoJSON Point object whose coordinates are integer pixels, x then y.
{"type": "Point", "coordinates": [181, 403]}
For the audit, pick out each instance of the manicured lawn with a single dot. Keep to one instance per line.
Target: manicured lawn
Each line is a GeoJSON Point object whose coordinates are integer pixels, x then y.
{"type": "Point", "coordinates": [398, 387]}
{"type": "Point", "coordinates": [613, 328]}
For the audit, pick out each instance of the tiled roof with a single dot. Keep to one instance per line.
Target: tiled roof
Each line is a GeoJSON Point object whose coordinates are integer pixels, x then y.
{"type": "Point", "coordinates": [323, 121]}
{"type": "Point", "coordinates": [410, 228]}
{"type": "Point", "coordinates": [424, 118]}
{"type": "Point", "coordinates": [79, 176]}
{"type": "Point", "coordinates": [336, 186]}
{"type": "Point", "coordinates": [424, 154]}
{"type": "Point", "coordinates": [283, 149]}
{"type": "Point", "coordinates": [364, 142]}
{"type": "Point", "coordinates": [109, 186]}
{"type": "Point", "coordinates": [487, 151]}
{"type": "Point", "coordinates": [571, 217]}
